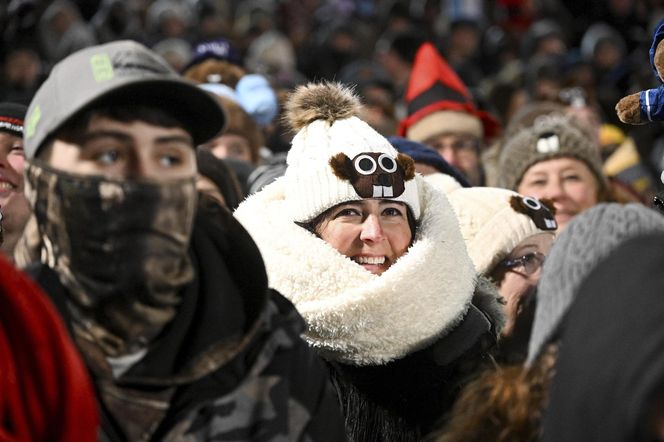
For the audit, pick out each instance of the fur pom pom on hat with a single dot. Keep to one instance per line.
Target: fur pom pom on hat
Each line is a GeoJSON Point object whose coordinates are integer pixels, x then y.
{"type": "Point", "coordinates": [549, 138]}
{"type": "Point", "coordinates": [335, 157]}
{"type": "Point", "coordinates": [494, 221]}
{"type": "Point", "coordinates": [589, 238]}
{"type": "Point", "coordinates": [325, 101]}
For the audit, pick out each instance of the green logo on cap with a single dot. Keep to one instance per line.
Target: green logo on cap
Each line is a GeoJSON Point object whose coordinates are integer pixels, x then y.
{"type": "Point", "coordinates": [102, 68]}
{"type": "Point", "coordinates": [32, 122]}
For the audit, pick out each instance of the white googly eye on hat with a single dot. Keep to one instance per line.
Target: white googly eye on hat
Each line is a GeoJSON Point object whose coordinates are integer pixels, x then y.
{"type": "Point", "coordinates": [387, 163]}
{"type": "Point", "coordinates": [548, 142]}
{"type": "Point", "coordinates": [365, 165]}
{"type": "Point", "coordinates": [661, 177]}
{"type": "Point", "coordinates": [532, 202]}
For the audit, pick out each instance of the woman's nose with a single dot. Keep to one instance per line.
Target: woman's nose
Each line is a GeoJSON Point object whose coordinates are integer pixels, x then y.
{"type": "Point", "coordinates": [372, 231]}
{"type": "Point", "coordinates": [554, 190]}
{"type": "Point", "coordinates": [449, 154]}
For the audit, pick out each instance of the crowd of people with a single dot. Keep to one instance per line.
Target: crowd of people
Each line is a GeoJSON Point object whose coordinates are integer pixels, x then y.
{"type": "Point", "coordinates": [331, 220]}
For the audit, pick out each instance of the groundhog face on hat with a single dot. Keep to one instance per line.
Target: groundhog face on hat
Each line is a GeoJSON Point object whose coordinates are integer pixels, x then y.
{"type": "Point", "coordinates": [374, 174]}
{"type": "Point", "coordinates": [540, 211]}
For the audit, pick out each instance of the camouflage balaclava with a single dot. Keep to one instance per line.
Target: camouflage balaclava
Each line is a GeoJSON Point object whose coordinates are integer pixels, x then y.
{"type": "Point", "coordinates": [120, 247]}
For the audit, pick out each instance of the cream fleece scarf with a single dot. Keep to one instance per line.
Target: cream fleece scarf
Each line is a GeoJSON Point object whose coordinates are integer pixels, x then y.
{"type": "Point", "coordinates": [352, 315]}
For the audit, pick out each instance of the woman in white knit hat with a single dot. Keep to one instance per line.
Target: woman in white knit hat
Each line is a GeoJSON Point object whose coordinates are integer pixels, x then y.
{"type": "Point", "coordinates": [508, 237]}
{"type": "Point", "coordinates": [508, 403]}
{"type": "Point", "coordinates": [372, 257]}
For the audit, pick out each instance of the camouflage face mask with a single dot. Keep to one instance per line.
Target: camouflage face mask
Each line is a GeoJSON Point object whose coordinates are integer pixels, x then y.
{"type": "Point", "coordinates": [119, 246]}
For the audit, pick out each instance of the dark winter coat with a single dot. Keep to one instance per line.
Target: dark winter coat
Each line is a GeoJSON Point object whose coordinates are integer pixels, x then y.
{"type": "Point", "coordinates": [230, 366]}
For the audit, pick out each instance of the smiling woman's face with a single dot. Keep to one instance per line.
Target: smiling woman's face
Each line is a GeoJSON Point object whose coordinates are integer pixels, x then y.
{"type": "Point", "coordinates": [14, 206]}
{"type": "Point", "coordinates": [567, 182]}
{"type": "Point", "coordinates": [373, 233]}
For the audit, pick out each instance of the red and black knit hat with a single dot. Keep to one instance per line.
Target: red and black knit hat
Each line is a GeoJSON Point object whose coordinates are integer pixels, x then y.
{"type": "Point", "coordinates": [11, 118]}
{"type": "Point", "coordinates": [438, 101]}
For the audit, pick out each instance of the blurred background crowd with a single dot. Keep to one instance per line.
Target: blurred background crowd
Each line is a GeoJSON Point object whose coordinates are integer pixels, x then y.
{"type": "Point", "coordinates": [584, 55]}
{"type": "Point", "coordinates": [507, 106]}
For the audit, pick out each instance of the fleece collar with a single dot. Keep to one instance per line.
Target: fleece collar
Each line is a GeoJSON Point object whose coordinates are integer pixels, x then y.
{"type": "Point", "coordinates": [352, 315]}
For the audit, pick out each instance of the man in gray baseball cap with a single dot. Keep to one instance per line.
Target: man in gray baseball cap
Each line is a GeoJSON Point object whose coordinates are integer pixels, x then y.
{"type": "Point", "coordinates": [166, 298]}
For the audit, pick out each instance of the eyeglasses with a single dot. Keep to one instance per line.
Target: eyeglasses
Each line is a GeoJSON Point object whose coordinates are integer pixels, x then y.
{"type": "Point", "coordinates": [658, 202]}
{"type": "Point", "coordinates": [526, 264]}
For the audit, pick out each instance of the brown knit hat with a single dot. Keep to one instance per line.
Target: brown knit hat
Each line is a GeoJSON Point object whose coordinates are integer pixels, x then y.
{"type": "Point", "coordinates": [549, 138]}
{"type": "Point", "coordinates": [215, 71]}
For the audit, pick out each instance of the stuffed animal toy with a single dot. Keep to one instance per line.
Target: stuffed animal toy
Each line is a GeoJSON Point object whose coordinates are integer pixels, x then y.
{"type": "Point", "coordinates": [645, 106]}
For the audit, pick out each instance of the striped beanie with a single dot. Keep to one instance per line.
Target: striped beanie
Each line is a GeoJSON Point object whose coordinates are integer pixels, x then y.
{"type": "Point", "coordinates": [11, 118]}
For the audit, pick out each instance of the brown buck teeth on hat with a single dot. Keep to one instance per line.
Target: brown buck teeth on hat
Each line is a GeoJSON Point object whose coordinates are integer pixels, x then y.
{"type": "Point", "coordinates": [540, 211]}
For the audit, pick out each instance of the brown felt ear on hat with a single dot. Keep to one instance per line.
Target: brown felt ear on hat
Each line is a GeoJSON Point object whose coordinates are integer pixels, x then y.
{"type": "Point", "coordinates": [342, 166]}
{"type": "Point", "coordinates": [408, 166]}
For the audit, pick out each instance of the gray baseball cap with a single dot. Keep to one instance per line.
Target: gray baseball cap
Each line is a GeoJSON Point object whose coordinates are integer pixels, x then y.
{"type": "Point", "coordinates": [126, 70]}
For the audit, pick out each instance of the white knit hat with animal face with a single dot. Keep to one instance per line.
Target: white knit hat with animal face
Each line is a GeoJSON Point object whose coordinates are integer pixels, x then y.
{"type": "Point", "coordinates": [336, 157]}
{"type": "Point", "coordinates": [494, 221]}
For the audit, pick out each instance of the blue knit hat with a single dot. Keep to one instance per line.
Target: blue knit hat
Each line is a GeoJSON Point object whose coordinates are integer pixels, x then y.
{"type": "Point", "coordinates": [258, 98]}
{"type": "Point", "coordinates": [219, 49]}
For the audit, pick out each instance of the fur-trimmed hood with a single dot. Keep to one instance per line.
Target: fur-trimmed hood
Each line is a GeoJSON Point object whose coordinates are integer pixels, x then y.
{"type": "Point", "coordinates": [354, 316]}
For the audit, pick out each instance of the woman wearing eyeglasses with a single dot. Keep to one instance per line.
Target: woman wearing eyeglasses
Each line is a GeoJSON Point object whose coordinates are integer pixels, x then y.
{"type": "Point", "coordinates": [508, 403]}
{"type": "Point", "coordinates": [508, 237]}
{"type": "Point", "coordinates": [517, 277]}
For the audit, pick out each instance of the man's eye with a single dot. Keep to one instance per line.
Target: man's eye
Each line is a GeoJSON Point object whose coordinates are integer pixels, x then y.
{"type": "Point", "coordinates": [571, 178]}
{"type": "Point", "coordinates": [170, 160]}
{"type": "Point", "coordinates": [237, 149]}
{"type": "Point", "coordinates": [17, 150]}
{"type": "Point", "coordinates": [108, 157]}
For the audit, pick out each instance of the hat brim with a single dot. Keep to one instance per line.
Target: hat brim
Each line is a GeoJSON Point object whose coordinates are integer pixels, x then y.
{"type": "Point", "coordinates": [489, 123]}
{"type": "Point", "coordinates": [196, 109]}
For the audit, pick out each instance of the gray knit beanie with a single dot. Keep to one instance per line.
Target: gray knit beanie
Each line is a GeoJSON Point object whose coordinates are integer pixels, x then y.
{"type": "Point", "coordinates": [553, 137]}
{"type": "Point", "coordinates": [588, 239]}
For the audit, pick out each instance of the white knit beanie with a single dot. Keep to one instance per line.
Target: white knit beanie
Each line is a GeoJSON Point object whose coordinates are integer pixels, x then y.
{"type": "Point", "coordinates": [443, 182]}
{"type": "Point", "coordinates": [494, 221]}
{"type": "Point", "coordinates": [335, 157]}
